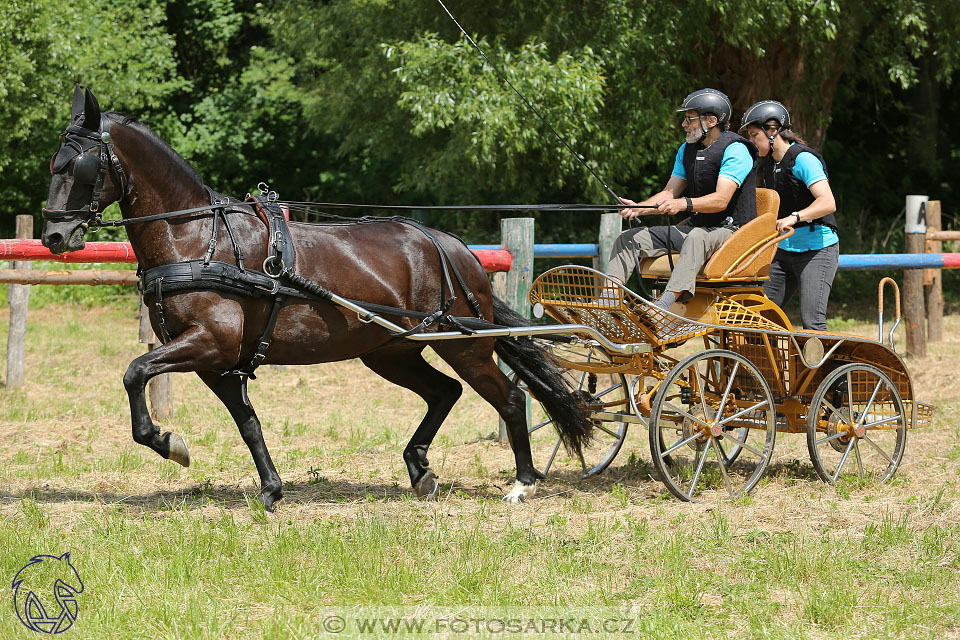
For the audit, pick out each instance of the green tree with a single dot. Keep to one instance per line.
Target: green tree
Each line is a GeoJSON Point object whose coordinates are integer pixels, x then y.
{"type": "Point", "coordinates": [417, 115]}
{"type": "Point", "coordinates": [45, 47]}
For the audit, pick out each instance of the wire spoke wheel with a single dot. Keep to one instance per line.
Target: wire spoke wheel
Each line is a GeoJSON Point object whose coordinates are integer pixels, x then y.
{"type": "Point", "coordinates": [699, 422]}
{"type": "Point", "coordinates": [857, 425]}
{"type": "Point", "coordinates": [599, 387]}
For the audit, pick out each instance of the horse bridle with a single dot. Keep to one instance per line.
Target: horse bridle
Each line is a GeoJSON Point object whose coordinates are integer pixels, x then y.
{"type": "Point", "coordinates": [88, 169]}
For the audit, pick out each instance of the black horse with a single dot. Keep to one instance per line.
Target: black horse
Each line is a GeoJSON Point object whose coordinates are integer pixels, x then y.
{"type": "Point", "coordinates": [218, 329]}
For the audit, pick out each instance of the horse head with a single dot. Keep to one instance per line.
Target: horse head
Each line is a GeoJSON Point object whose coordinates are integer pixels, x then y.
{"type": "Point", "coordinates": [86, 176]}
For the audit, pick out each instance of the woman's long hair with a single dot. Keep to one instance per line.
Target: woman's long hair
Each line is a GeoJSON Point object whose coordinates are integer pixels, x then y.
{"type": "Point", "coordinates": [791, 137]}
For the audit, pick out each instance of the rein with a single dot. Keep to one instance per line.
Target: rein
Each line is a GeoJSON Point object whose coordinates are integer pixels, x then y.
{"type": "Point", "coordinates": [309, 206]}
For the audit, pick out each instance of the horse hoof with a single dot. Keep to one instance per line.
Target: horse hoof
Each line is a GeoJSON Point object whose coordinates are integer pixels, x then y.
{"type": "Point", "coordinates": [270, 503]}
{"type": "Point", "coordinates": [520, 493]}
{"type": "Point", "coordinates": [178, 449]}
{"type": "Point", "coordinates": [428, 486]}
{"type": "Point", "coordinates": [270, 498]}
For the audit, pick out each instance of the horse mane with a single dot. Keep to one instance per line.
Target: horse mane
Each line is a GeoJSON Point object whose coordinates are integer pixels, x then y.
{"type": "Point", "coordinates": [134, 123]}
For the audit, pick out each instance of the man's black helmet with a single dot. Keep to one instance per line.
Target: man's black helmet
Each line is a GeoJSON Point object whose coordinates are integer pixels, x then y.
{"type": "Point", "coordinates": [708, 102]}
{"type": "Point", "coordinates": [766, 110]}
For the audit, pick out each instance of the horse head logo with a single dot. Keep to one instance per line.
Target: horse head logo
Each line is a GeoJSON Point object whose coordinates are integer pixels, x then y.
{"type": "Point", "coordinates": [45, 593]}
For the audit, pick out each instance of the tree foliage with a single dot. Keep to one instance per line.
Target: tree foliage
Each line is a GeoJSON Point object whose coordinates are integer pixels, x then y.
{"type": "Point", "coordinates": [385, 101]}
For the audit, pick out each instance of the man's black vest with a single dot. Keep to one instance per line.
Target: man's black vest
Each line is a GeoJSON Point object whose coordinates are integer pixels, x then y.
{"type": "Point", "coordinates": [794, 194]}
{"type": "Point", "coordinates": [702, 166]}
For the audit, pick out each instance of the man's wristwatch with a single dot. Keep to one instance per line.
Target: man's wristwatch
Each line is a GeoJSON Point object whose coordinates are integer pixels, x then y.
{"type": "Point", "coordinates": [795, 213]}
{"type": "Point", "coordinates": [689, 204]}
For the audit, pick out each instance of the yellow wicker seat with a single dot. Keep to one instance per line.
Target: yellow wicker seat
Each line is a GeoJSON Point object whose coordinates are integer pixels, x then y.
{"type": "Point", "coordinates": [580, 295]}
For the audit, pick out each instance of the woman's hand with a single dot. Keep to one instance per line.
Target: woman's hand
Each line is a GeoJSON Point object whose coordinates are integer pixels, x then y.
{"type": "Point", "coordinates": [785, 223]}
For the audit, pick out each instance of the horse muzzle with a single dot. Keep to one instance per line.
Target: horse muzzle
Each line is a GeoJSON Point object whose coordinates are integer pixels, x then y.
{"type": "Point", "coordinates": [64, 237]}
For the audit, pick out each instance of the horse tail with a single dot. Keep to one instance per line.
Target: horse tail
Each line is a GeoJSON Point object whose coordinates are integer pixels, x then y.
{"type": "Point", "coordinates": [543, 378]}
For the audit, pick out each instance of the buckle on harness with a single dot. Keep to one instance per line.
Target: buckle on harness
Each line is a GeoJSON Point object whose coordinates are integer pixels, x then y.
{"type": "Point", "coordinates": [273, 261]}
{"type": "Point", "coordinates": [272, 290]}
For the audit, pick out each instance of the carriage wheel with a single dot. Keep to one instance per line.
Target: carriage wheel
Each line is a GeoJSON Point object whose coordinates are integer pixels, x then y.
{"type": "Point", "coordinates": [596, 391]}
{"type": "Point", "coordinates": [857, 426]}
{"type": "Point", "coordinates": [697, 421]}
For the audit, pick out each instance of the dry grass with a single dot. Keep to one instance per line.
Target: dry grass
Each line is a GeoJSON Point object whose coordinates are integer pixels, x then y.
{"type": "Point", "coordinates": [336, 432]}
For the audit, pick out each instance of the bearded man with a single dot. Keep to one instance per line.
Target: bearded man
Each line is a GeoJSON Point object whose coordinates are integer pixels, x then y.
{"type": "Point", "coordinates": [715, 167]}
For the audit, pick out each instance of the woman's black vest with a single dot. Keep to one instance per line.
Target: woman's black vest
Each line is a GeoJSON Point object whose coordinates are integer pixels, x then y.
{"type": "Point", "coordinates": [794, 194]}
{"type": "Point", "coordinates": [702, 166]}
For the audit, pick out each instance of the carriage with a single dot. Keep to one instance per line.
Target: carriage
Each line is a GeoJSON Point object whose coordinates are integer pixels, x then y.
{"type": "Point", "coordinates": [743, 375]}
{"type": "Point", "coordinates": [712, 417]}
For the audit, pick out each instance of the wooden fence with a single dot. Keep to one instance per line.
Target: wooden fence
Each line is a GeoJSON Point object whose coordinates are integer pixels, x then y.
{"type": "Point", "coordinates": [511, 266]}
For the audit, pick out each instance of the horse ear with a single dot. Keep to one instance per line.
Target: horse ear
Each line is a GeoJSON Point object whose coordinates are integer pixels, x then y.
{"type": "Point", "coordinates": [91, 112]}
{"type": "Point", "coordinates": [77, 103]}
{"type": "Point", "coordinates": [66, 556]}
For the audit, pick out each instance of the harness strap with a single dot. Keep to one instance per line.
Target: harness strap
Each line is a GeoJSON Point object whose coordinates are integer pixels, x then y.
{"type": "Point", "coordinates": [471, 299]}
{"type": "Point", "coordinates": [282, 251]}
{"type": "Point", "coordinates": [263, 346]}
{"type": "Point", "coordinates": [447, 264]}
{"type": "Point", "coordinates": [158, 302]}
{"type": "Point", "coordinates": [103, 163]}
{"type": "Point", "coordinates": [212, 245]}
{"type": "Point", "coordinates": [206, 274]}
{"type": "Point", "coordinates": [237, 252]}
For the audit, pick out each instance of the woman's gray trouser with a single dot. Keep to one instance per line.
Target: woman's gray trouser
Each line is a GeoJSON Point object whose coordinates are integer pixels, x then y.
{"type": "Point", "coordinates": [811, 272]}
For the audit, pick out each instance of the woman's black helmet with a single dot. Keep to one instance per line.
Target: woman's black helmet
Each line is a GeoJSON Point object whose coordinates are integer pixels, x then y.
{"type": "Point", "coordinates": [760, 113]}
{"type": "Point", "coordinates": [708, 102]}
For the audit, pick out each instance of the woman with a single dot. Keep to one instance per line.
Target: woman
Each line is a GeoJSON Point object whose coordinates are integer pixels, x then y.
{"type": "Point", "coordinates": [807, 260]}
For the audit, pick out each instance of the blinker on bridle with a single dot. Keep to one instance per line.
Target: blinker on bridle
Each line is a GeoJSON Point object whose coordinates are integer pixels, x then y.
{"type": "Point", "coordinates": [87, 168]}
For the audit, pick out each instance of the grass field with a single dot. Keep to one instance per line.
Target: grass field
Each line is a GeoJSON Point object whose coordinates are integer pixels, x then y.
{"type": "Point", "coordinates": [167, 552]}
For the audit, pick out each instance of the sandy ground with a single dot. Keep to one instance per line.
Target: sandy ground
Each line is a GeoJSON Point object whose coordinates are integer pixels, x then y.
{"type": "Point", "coordinates": [336, 433]}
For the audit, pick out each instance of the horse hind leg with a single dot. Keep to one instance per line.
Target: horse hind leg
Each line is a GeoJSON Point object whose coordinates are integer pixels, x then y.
{"type": "Point", "coordinates": [232, 392]}
{"type": "Point", "coordinates": [476, 366]}
{"type": "Point", "coordinates": [408, 369]}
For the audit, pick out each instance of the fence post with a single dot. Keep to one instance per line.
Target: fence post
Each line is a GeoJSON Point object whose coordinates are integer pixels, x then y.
{"type": "Point", "coordinates": [18, 295]}
{"type": "Point", "coordinates": [513, 287]}
{"type": "Point", "coordinates": [611, 224]}
{"type": "Point", "coordinates": [160, 388]}
{"type": "Point", "coordinates": [913, 307]}
{"type": "Point", "coordinates": [934, 277]}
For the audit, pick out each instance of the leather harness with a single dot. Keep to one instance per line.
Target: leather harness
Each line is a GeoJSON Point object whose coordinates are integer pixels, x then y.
{"type": "Point", "coordinates": [278, 280]}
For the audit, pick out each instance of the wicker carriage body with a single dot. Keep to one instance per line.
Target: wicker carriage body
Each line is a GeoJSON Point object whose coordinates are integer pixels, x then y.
{"type": "Point", "coordinates": [792, 367]}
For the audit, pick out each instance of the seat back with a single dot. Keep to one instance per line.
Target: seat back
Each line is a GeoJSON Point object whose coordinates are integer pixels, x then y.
{"type": "Point", "coordinates": [744, 257]}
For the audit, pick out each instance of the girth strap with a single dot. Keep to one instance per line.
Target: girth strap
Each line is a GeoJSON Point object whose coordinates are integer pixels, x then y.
{"type": "Point", "coordinates": [263, 346]}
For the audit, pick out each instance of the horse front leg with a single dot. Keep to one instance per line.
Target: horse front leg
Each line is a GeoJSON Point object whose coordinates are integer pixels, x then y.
{"type": "Point", "coordinates": [232, 392]}
{"type": "Point", "coordinates": [185, 353]}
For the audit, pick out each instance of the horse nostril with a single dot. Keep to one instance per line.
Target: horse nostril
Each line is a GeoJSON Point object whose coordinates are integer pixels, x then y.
{"type": "Point", "coordinates": [52, 240]}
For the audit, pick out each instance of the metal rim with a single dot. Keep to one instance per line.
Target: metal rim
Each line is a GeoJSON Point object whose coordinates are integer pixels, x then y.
{"type": "Point", "coordinates": [861, 434]}
{"type": "Point", "coordinates": [609, 392]}
{"type": "Point", "coordinates": [698, 448]}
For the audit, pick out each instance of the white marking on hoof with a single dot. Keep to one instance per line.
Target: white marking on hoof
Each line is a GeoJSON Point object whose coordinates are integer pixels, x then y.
{"type": "Point", "coordinates": [520, 493]}
{"type": "Point", "coordinates": [178, 450]}
{"type": "Point", "coordinates": [427, 488]}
